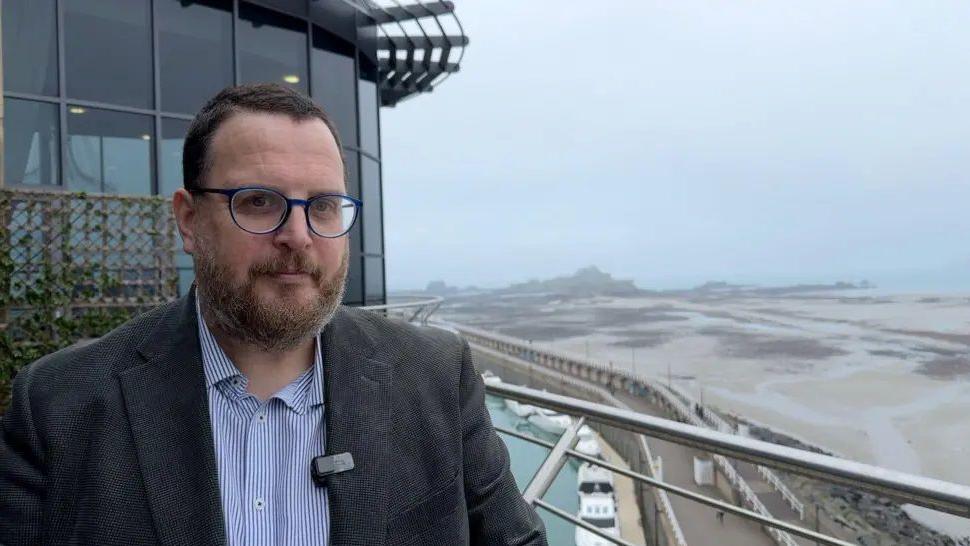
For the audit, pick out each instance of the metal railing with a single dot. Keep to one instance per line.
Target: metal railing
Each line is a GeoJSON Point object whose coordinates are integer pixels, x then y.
{"type": "Point", "coordinates": [927, 492]}
{"type": "Point", "coordinates": [671, 524]}
{"type": "Point", "coordinates": [695, 432]}
{"type": "Point", "coordinates": [675, 401]}
{"type": "Point", "coordinates": [418, 310]}
{"type": "Point", "coordinates": [717, 423]}
{"type": "Point", "coordinates": [730, 472]}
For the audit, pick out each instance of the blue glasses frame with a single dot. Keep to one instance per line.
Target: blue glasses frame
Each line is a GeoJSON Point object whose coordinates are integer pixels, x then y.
{"type": "Point", "coordinates": [290, 203]}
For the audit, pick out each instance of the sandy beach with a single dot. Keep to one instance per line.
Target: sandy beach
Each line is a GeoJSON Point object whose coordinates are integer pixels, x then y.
{"type": "Point", "coordinates": [884, 380]}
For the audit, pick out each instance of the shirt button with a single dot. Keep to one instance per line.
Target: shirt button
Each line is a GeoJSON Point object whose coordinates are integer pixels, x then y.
{"type": "Point", "coordinates": [259, 504]}
{"type": "Point", "coordinates": [261, 417]}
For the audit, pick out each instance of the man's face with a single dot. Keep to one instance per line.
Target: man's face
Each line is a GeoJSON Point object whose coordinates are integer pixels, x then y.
{"type": "Point", "coordinates": [277, 289]}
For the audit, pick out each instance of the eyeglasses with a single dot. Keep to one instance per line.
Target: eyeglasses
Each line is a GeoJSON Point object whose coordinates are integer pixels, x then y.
{"type": "Point", "coordinates": [263, 210]}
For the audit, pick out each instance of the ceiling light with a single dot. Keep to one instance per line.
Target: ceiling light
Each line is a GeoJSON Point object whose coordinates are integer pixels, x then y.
{"type": "Point", "coordinates": [291, 78]}
{"type": "Point", "coordinates": [76, 110]}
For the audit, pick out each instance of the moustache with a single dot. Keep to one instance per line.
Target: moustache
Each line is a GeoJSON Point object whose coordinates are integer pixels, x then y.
{"type": "Point", "coordinates": [293, 263]}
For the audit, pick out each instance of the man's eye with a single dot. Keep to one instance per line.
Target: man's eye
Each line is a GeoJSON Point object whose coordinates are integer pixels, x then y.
{"type": "Point", "coordinates": [257, 202]}
{"type": "Point", "coordinates": [324, 206]}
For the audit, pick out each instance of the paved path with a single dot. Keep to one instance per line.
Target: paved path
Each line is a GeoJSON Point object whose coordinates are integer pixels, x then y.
{"type": "Point", "coordinates": [699, 522]}
{"type": "Point", "coordinates": [771, 498]}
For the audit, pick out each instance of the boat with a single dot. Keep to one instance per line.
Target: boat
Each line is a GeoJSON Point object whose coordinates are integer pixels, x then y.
{"type": "Point", "coordinates": [550, 421]}
{"type": "Point", "coordinates": [519, 409]}
{"type": "Point", "coordinates": [599, 511]}
{"type": "Point", "coordinates": [588, 444]}
{"type": "Point", "coordinates": [491, 379]}
{"type": "Point", "coordinates": [592, 480]}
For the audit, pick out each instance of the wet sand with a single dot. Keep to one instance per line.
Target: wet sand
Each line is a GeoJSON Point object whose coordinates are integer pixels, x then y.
{"type": "Point", "coordinates": [884, 380]}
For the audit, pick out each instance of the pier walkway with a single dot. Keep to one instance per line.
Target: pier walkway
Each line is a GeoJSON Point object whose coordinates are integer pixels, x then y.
{"type": "Point", "coordinates": [699, 523]}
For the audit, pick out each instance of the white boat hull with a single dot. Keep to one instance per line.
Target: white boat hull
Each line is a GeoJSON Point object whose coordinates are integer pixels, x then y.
{"type": "Point", "coordinates": [553, 424]}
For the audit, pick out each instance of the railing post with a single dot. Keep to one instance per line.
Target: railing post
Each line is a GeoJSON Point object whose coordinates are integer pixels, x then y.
{"type": "Point", "coordinates": [553, 464]}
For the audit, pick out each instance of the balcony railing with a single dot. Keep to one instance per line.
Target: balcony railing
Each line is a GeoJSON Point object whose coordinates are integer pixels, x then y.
{"type": "Point", "coordinates": [697, 429]}
{"type": "Point", "coordinates": [417, 310]}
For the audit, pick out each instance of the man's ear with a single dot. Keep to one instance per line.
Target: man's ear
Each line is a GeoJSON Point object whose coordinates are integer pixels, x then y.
{"type": "Point", "coordinates": [186, 217]}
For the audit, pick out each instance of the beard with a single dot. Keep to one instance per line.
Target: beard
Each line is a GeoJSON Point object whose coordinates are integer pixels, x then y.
{"type": "Point", "coordinates": [280, 324]}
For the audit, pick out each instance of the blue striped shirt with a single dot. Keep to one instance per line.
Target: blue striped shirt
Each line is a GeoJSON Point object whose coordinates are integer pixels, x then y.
{"type": "Point", "coordinates": [263, 453]}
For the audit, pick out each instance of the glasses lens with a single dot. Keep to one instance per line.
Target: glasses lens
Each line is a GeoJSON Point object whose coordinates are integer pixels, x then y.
{"type": "Point", "coordinates": [258, 211]}
{"type": "Point", "coordinates": [331, 215]}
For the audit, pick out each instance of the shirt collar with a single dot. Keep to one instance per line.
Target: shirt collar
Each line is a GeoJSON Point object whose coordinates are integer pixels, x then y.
{"type": "Point", "coordinates": [305, 392]}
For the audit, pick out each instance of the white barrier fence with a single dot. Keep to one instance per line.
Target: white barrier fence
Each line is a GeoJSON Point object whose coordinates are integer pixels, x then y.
{"type": "Point", "coordinates": [716, 422]}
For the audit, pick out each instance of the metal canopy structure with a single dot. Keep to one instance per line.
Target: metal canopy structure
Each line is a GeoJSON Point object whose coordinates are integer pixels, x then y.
{"type": "Point", "coordinates": [418, 46]}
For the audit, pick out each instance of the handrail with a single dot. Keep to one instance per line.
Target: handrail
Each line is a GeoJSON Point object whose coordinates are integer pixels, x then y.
{"type": "Point", "coordinates": [553, 464]}
{"type": "Point", "coordinates": [662, 498]}
{"type": "Point", "coordinates": [732, 474]}
{"type": "Point", "coordinates": [931, 493]}
{"type": "Point", "coordinates": [660, 494]}
{"type": "Point", "coordinates": [678, 405]}
{"type": "Point", "coordinates": [423, 308]}
{"type": "Point", "coordinates": [786, 493]}
{"type": "Point", "coordinates": [578, 521]}
{"type": "Point", "coordinates": [928, 492]}
{"type": "Point", "coordinates": [405, 304]}
{"type": "Point", "coordinates": [714, 420]}
{"type": "Point", "coordinates": [771, 522]}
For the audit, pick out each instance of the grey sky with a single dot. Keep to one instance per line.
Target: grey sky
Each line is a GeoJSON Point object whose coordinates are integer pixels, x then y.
{"type": "Point", "coordinates": [681, 141]}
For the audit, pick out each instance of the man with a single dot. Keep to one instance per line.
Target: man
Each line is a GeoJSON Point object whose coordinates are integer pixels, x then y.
{"type": "Point", "coordinates": [196, 423]}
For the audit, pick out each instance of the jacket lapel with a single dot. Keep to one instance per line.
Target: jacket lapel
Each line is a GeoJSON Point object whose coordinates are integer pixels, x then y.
{"type": "Point", "coordinates": [169, 413]}
{"type": "Point", "coordinates": [358, 420]}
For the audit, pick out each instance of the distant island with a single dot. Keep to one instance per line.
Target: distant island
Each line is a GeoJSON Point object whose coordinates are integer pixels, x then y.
{"type": "Point", "coordinates": [592, 281]}
{"type": "Point", "coordinates": [588, 281]}
{"type": "Point", "coordinates": [715, 287]}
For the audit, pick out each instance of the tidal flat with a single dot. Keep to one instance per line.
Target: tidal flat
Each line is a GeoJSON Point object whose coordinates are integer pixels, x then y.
{"type": "Point", "coordinates": [879, 379]}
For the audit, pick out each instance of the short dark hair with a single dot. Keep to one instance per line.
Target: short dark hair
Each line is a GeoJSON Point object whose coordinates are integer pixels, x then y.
{"type": "Point", "coordinates": [269, 98]}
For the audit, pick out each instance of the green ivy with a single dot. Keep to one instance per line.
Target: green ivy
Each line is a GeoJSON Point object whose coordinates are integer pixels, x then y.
{"type": "Point", "coordinates": [42, 293]}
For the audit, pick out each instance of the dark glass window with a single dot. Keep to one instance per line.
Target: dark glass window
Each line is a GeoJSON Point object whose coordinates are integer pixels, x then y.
{"type": "Point", "coordinates": [109, 152]}
{"type": "Point", "coordinates": [30, 47]}
{"type": "Point", "coordinates": [354, 293]}
{"type": "Point", "coordinates": [295, 7]}
{"type": "Point", "coordinates": [272, 47]}
{"type": "Point", "coordinates": [170, 164]}
{"type": "Point", "coordinates": [31, 142]}
{"type": "Point", "coordinates": [352, 173]}
{"type": "Point", "coordinates": [370, 182]}
{"type": "Point", "coordinates": [334, 82]}
{"type": "Point", "coordinates": [194, 51]}
{"type": "Point", "coordinates": [367, 98]}
{"type": "Point", "coordinates": [108, 47]}
{"type": "Point", "coordinates": [374, 279]}
{"type": "Point", "coordinates": [603, 523]}
{"type": "Point", "coordinates": [355, 280]}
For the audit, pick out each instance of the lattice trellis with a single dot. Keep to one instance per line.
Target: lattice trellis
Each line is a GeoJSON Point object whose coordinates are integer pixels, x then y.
{"type": "Point", "coordinates": [90, 253]}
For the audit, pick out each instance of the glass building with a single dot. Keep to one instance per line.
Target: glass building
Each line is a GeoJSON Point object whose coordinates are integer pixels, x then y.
{"type": "Point", "coordinates": [98, 94]}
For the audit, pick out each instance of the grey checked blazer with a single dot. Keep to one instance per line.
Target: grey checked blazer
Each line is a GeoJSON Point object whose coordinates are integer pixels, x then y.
{"type": "Point", "coordinates": [110, 443]}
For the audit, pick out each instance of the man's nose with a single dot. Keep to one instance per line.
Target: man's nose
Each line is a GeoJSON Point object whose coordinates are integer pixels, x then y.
{"type": "Point", "coordinates": [295, 232]}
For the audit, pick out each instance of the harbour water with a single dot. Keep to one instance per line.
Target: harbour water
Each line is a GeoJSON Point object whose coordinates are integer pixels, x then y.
{"type": "Point", "coordinates": [525, 460]}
